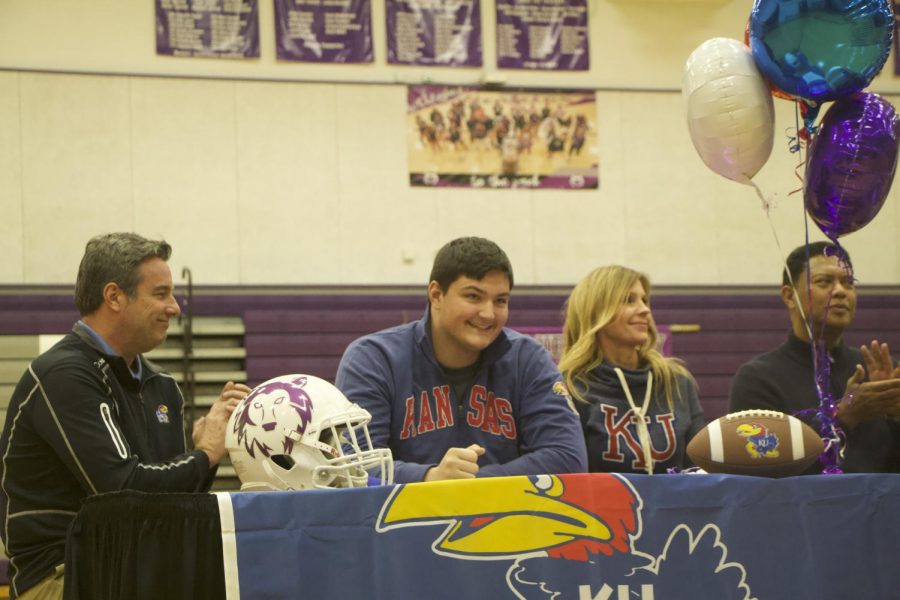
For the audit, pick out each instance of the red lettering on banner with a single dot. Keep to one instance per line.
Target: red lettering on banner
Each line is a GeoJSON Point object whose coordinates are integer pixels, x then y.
{"type": "Point", "coordinates": [426, 421]}
{"type": "Point", "coordinates": [444, 408]}
{"type": "Point", "coordinates": [409, 419]}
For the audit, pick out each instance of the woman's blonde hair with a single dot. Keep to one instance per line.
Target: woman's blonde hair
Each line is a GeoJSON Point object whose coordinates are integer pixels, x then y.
{"type": "Point", "coordinates": [593, 305]}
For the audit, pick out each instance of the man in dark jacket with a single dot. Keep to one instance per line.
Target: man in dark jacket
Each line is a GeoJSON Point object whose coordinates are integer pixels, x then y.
{"type": "Point", "coordinates": [92, 415]}
{"type": "Point", "coordinates": [821, 302]}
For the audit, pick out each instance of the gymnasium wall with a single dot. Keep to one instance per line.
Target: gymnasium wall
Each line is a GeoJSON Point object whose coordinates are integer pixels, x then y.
{"type": "Point", "coordinates": [269, 173]}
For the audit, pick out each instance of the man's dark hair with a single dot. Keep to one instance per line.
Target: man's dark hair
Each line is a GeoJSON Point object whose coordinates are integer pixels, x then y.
{"type": "Point", "coordinates": [796, 260]}
{"type": "Point", "coordinates": [472, 257]}
{"type": "Point", "coordinates": [113, 258]}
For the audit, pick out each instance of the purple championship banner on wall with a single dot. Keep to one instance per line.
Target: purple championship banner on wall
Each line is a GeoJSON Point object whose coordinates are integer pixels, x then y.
{"type": "Point", "coordinates": [334, 31]}
{"type": "Point", "coordinates": [542, 34]}
{"type": "Point", "coordinates": [595, 536]}
{"type": "Point", "coordinates": [470, 137]}
{"type": "Point", "coordinates": [429, 32]}
{"type": "Point", "coordinates": [208, 28]}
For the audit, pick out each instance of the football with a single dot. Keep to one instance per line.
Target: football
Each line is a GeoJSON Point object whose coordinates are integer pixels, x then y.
{"type": "Point", "coordinates": [756, 442]}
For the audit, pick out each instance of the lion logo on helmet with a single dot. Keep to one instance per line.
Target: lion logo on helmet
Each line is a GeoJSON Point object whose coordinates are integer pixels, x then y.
{"type": "Point", "coordinates": [274, 416]}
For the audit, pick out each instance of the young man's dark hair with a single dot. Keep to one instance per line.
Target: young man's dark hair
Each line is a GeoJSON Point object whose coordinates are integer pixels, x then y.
{"type": "Point", "coordinates": [472, 257]}
{"type": "Point", "coordinates": [796, 260]}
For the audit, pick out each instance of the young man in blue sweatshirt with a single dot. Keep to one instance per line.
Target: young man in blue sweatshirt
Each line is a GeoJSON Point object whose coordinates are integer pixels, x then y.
{"type": "Point", "coordinates": [458, 395]}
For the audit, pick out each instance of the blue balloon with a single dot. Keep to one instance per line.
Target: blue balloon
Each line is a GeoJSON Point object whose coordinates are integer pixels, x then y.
{"type": "Point", "coordinates": [821, 50]}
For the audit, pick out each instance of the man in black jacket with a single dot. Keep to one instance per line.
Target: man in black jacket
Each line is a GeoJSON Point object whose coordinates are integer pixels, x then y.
{"type": "Point", "coordinates": [821, 302]}
{"type": "Point", "coordinates": [92, 415]}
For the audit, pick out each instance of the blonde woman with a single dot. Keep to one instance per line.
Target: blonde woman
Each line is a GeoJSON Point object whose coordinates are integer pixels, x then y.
{"type": "Point", "coordinates": [638, 408]}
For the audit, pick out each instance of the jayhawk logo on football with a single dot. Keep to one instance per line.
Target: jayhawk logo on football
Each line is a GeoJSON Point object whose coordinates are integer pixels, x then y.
{"type": "Point", "coordinates": [760, 443]}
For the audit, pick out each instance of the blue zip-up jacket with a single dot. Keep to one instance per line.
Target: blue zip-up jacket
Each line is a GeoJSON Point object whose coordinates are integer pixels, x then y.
{"type": "Point", "coordinates": [517, 409]}
{"type": "Point", "coordinates": [79, 424]}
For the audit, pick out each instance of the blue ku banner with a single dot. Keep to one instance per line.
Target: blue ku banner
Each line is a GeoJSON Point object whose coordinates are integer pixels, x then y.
{"type": "Point", "coordinates": [581, 537]}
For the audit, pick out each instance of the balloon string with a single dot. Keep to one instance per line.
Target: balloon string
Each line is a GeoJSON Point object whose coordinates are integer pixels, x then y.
{"type": "Point", "coordinates": [767, 203]}
{"type": "Point", "coordinates": [796, 141]}
{"type": "Point", "coordinates": [806, 320]}
{"type": "Point", "coordinates": [797, 147]}
{"type": "Point", "coordinates": [829, 430]}
{"type": "Point", "coordinates": [790, 277]}
{"type": "Point", "coordinates": [799, 177]}
{"type": "Point", "coordinates": [831, 434]}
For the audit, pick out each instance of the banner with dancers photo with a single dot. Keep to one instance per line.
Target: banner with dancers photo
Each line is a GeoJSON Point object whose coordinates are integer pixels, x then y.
{"type": "Point", "coordinates": [527, 139]}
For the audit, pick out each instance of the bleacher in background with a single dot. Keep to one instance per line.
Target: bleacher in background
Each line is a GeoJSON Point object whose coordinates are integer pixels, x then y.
{"type": "Point", "coordinates": [298, 331]}
{"type": "Point", "coordinates": [252, 336]}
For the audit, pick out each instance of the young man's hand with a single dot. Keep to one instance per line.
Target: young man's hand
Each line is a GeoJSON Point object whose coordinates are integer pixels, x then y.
{"type": "Point", "coordinates": [458, 463]}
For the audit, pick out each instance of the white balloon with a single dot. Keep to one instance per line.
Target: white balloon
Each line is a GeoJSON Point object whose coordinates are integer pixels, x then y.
{"type": "Point", "coordinates": [729, 109]}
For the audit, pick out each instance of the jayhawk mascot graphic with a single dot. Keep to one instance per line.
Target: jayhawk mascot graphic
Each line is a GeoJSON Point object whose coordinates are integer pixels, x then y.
{"type": "Point", "coordinates": [760, 443]}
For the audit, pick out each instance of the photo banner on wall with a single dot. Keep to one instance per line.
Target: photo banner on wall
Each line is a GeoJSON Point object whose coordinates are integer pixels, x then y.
{"type": "Point", "coordinates": [429, 32]}
{"type": "Point", "coordinates": [542, 34]}
{"type": "Point", "coordinates": [324, 31]}
{"type": "Point", "coordinates": [208, 28]}
{"type": "Point", "coordinates": [470, 137]}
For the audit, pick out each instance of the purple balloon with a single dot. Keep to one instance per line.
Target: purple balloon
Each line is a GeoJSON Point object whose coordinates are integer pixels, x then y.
{"type": "Point", "coordinates": [851, 163]}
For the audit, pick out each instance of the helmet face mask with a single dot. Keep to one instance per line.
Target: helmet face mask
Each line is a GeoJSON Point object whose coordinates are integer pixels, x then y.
{"type": "Point", "coordinates": [299, 432]}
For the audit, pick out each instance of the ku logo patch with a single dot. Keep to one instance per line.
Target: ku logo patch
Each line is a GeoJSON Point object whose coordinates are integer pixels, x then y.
{"type": "Point", "coordinates": [162, 413]}
{"type": "Point", "coordinates": [560, 389]}
{"type": "Point", "coordinates": [587, 525]}
{"type": "Point", "coordinates": [760, 443]}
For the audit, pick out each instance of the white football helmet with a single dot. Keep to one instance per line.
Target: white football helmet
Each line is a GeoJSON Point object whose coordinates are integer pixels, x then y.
{"type": "Point", "coordinates": [297, 432]}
